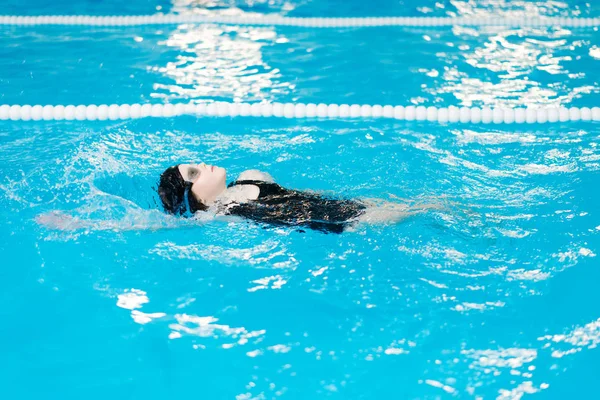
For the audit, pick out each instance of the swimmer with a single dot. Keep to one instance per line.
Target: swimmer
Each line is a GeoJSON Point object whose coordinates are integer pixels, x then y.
{"type": "Point", "coordinates": [191, 189]}
{"type": "Point", "coordinates": [187, 189]}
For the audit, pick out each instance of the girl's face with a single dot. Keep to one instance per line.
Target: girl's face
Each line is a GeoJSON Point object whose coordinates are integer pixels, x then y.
{"type": "Point", "coordinates": [208, 181]}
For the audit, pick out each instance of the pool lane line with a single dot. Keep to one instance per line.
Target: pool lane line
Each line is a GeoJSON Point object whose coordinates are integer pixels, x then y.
{"type": "Point", "coordinates": [309, 22]}
{"type": "Point", "coordinates": [484, 115]}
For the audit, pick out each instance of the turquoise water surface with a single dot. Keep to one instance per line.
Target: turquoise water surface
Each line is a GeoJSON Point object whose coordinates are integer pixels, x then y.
{"type": "Point", "coordinates": [494, 297]}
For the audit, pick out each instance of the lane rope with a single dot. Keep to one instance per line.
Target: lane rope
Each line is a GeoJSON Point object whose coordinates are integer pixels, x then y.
{"type": "Point", "coordinates": [276, 20]}
{"type": "Point", "coordinates": [450, 114]}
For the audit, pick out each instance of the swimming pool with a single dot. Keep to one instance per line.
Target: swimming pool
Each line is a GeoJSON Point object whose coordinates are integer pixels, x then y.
{"type": "Point", "coordinates": [495, 298]}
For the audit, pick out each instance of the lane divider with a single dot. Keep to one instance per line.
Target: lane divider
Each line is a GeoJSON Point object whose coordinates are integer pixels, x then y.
{"type": "Point", "coordinates": [276, 20]}
{"type": "Point", "coordinates": [450, 114]}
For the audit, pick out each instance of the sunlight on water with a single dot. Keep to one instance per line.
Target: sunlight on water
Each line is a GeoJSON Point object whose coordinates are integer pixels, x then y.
{"type": "Point", "coordinates": [523, 67]}
{"type": "Point", "coordinates": [487, 8]}
{"type": "Point", "coordinates": [220, 61]}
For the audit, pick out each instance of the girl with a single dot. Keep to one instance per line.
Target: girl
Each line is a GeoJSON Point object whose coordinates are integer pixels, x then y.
{"type": "Point", "coordinates": [186, 189]}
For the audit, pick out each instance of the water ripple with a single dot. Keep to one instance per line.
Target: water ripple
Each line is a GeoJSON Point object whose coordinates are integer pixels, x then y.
{"type": "Point", "coordinates": [517, 67]}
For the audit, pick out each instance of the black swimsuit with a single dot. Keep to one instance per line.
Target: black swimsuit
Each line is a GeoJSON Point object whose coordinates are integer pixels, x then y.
{"type": "Point", "coordinates": [281, 206]}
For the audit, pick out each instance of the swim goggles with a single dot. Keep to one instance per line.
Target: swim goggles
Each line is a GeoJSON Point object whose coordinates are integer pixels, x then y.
{"type": "Point", "coordinates": [186, 194]}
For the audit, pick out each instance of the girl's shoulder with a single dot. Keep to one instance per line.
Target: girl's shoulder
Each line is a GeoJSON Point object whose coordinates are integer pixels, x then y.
{"type": "Point", "coordinates": [255, 175]}
{"type": "Point", "coordinates": [246, 187]}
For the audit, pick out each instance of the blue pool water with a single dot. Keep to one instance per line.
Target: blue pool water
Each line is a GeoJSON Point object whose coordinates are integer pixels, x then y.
{"type": "Point", "coordinates": [495, 297]}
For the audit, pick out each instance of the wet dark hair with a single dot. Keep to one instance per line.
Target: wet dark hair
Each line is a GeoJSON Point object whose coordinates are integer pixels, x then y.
{"type": "Point", "coordinates": [173, 190]}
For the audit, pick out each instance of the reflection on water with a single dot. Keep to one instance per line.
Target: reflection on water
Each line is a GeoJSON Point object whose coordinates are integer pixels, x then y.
{"type": "Point", "coordinates": [220, 62]}
{"type": "Point", "coordinates": [132, 299]}
{"type": "Point", "coordinates": [582, 337]}
{"type": "Point", "coordinates": [185, 324]}
{"type": "Point", "coordinates": [522, 69]}
{"type": "Point", "coordinates": [511, 66]}
{"type": "Point", "coordinates": [517, 67]}
{"type": "Point", "coordinates": [230, 7]}
{"type": "Point", "coordinates": [269, 254]}
{"type": "Point", "coordinates": [513, 8]}
{"type": "Point", "coordinates": [516, 363]}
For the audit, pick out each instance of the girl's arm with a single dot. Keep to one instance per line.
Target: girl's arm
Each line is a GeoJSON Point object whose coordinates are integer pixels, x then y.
{"type": "Point", "coordinates": [58, 220]}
